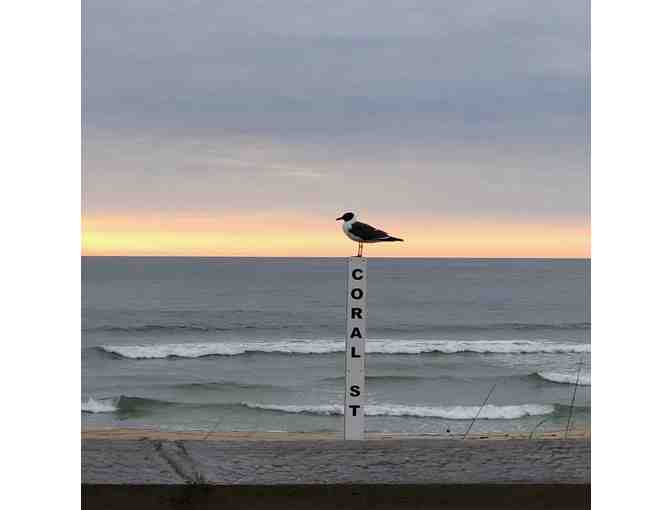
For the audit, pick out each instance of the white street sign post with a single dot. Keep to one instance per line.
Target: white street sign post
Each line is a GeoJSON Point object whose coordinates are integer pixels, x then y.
{"type": "Point", "coordinates": [355, 349]}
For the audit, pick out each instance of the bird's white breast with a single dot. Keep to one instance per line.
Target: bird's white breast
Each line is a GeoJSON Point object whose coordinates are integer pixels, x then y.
{"type": "Point", "coordinates": [346, 230]}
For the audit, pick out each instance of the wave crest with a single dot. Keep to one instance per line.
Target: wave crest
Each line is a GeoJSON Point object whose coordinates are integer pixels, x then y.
{"type": "Point", "coordinates": [94, 406]}
{"type": "Point", "coordinates": [139, 405]}
{"type": "Point", "coordinates": [564, 378]}
{"type": "Point", "coordinates": [488, 412]}
{"type": "Point", "coordinates": [198, 350]}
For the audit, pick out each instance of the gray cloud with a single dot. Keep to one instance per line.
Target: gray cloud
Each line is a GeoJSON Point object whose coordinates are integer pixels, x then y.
{"type": "Point", "coordinates": [476, 107]}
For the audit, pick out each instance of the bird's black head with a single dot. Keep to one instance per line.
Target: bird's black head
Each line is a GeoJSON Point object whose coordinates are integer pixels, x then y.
{"type": "Point", "coordinates": [346, 217]}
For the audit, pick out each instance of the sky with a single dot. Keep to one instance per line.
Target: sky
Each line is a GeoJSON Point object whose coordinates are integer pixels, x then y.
{"type": "Point", "coordinates": [244, 128]}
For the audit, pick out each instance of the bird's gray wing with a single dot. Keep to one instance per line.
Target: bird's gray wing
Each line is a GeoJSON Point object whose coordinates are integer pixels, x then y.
{"type": "Point", "coordinates": [367, 232]}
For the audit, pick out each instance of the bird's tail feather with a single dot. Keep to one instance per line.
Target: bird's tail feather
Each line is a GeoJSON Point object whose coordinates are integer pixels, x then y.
{"type": "Point", "coordinates": [393, 239]}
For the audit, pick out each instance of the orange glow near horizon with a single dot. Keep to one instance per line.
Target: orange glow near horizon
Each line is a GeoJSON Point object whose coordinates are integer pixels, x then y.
{"type": "Point", "coordinates": [287, 235]}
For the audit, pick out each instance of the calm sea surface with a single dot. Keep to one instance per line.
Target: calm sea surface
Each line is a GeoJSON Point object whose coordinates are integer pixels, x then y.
{"type": "Point", "coordinates": [257, 344]}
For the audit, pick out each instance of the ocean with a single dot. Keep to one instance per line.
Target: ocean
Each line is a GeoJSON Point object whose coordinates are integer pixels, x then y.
{"type": "Point", "coordinates": [257, 344]}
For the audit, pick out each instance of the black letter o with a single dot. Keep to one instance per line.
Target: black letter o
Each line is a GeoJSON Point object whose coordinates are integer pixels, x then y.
{"type": "Point", "coordinates": [357, 293]}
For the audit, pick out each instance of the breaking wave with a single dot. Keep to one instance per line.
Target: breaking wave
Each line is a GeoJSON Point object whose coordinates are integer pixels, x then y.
{"type": "Point", "coordinates": [488, 412]}
{"type": "Point", "coordinates": [124, 404]}
{"type": "Point", "coordinates": [564, 378]}
{"type": "Point", "coordinates": [92, 405]}
{"type": "Point", "coordinates": [198, 350]}
{"type": "Point", "coordinates": [137, 406]}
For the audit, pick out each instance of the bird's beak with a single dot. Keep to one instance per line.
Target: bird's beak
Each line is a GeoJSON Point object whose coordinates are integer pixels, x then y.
{"type": "Point", "coordinates": [339, 218]}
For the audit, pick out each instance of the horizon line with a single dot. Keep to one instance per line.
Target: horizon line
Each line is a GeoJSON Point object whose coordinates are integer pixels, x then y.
{"type": "Point", "coordinates": [324, 257]}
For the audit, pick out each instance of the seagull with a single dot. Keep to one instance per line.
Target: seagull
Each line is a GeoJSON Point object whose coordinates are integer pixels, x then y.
{"type": "Point", "coordinates": [363, 233]}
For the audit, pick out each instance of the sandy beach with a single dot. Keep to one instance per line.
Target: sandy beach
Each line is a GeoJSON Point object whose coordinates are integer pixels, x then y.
{"type": "Point", "coordinates": [276, 470]}
{"type": "Point", "coordinates": [159, 435]}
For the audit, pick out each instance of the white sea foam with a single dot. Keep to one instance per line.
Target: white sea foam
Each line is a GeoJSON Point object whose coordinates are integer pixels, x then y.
{"type": "Point", "coordinates": [376, 346]}
{"type": "Point", "coordinates": [99, 406]}
{"type": "Point", "coordinates": [565, 378]}
{"type": "Point", "coordinates": [489, 412]}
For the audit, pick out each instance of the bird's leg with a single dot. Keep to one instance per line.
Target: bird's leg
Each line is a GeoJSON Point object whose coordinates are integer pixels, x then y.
{"type": "Point", "coordinates": [360, 249]}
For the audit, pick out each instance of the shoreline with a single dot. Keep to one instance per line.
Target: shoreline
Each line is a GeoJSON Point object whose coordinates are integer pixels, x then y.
{"type": "Point", "coordinates": [135, 434]}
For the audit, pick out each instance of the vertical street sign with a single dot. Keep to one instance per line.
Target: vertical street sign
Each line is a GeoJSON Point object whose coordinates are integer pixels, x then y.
{"type": "Point", "coordinates": [355, 349]}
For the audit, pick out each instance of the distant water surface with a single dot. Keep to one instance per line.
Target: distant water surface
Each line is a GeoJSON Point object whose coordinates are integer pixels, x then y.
{"type": "Point", "coordinates": [257, 343]}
